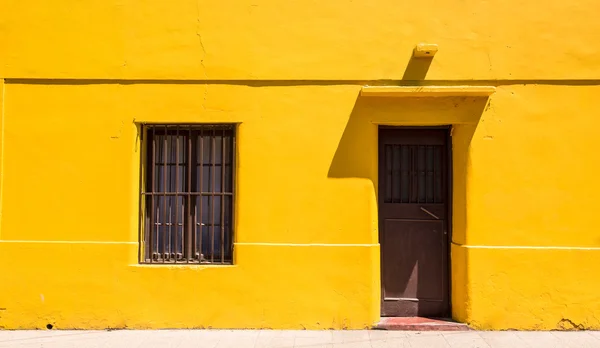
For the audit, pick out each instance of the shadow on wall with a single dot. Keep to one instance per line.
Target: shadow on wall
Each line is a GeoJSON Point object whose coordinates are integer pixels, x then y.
{"type": "Point", "coordinates": [354, 157]}
{"type": "Point", "coordinates": [417, 68]}
{"type": "Point", "coordinates": [357, 152]}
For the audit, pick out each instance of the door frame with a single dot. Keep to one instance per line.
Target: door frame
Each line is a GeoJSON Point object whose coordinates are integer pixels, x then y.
{"type": "Point", "coordinates": [449, 204]}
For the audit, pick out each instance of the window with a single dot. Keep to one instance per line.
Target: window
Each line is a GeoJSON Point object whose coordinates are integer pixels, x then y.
{"type": "Point", "coordinates": [188, 194]}
{"type": "Point", "coordinates": [414, 173]}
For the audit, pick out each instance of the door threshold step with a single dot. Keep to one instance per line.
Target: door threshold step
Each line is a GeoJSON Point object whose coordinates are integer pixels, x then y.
{"type": "Point", "coordinates": [419, 324]}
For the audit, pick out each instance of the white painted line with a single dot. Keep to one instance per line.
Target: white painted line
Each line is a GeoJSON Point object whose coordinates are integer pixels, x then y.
{"type": "Point", "coordinates": [307, 245]}
{"type": "Point", "coordinates": [65, 242]}
{"type": "Point", "coordinates": [525, 247]}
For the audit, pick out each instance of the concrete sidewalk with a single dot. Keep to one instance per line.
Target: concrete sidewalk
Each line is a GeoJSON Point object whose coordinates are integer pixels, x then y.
{"type": "Point", "coordinates": [296, 339]}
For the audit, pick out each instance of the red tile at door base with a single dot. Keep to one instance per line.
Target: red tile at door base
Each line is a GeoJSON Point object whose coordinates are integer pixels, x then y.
{"type": "Point", "coordinates": [419, 324]}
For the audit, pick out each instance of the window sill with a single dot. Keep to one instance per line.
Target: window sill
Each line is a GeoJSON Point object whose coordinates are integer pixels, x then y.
{"type": "Point", "coordinates": [181, 266]}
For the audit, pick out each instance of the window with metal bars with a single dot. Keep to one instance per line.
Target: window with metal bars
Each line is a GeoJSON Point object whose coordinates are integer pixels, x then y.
{"type": "Point", "coordinates": [414, 174]}
{"type": "Point", "coordinates": [188, 194]}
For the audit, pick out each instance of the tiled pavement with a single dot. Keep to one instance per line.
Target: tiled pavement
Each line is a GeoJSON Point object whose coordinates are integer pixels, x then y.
{"type": "Point", "coordinates": [297, 339]}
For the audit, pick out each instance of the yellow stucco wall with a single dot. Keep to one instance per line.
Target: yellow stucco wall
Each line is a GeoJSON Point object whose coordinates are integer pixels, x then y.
{"type": "Point", "coordinates": [79, 77]}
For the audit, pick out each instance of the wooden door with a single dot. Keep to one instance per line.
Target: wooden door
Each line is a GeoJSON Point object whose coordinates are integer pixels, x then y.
{"type": "Point", "coordinates": [413, 220]}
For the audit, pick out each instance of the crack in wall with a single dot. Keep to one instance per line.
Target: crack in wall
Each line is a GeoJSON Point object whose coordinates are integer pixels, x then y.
{"type": "Point", "coordinates": [568, 324]}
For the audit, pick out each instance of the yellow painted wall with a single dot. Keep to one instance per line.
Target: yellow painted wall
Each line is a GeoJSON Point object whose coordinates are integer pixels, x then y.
{"type": "Point", "coordinates": [79, 77]}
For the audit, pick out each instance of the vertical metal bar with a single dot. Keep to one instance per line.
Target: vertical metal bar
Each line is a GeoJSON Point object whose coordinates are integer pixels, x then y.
{"type": "Point", "coordinates": [410, 173]}
{"type": "Point", "coordinates": [223, 197]}
{"type": "Point", "coordinates": [177, 194]}
{"type": "Point", "coordinates": [426, 181]}
{"type": "Point", "coordinates": [152, 199]}
{"type": "Point", "coordinates": [405, 158]}
{"type": "Point", "coordinates": [414, 174]}
{"type": "Point", "coordinates": [387, 167]}
{"type": "Point", "coordinates": [393, 169]}
{"type": "Point", "coordinates": [190, 249]}
{"type": "Point", "coordinates": [418, 165]}
{"type": "Point", "coordinates": [212, 197]}
{"type": "Point", "coordinates": [419, 159]}
{"type": "Point", "coordinates": [200, 187]}
{"type": "Point", "coordinates": [423, 172]}
{"type": "Point", "coordinates": [233, 191]}
{"type": "Point", "coordinates": [432, 156]}
{"type": "Point", "coordinates": [164, 222]}
{"type": "Point", "coordinates": [399, 171]}
{"type": "Point", "coordinates": [436, 168]}
{"type": "Point", "coordinates": [172, 245]}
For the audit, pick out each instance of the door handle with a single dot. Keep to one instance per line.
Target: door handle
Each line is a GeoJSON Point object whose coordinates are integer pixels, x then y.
{"type": "Point", "coordinates": [430, 213]}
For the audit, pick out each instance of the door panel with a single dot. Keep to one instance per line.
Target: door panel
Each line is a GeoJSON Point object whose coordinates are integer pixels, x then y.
{"type": "Point", "coordinates": [414, 251]}
{"type": "Point", "coordinates": [413, 215]}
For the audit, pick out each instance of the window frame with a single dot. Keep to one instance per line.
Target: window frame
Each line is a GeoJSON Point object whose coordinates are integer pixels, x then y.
{"type": "Point", "coordinates": [193, 133]}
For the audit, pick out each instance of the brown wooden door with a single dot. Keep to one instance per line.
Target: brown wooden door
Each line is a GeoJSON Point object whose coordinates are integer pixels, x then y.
{"type": "Point", "coordinates": [413, 220]}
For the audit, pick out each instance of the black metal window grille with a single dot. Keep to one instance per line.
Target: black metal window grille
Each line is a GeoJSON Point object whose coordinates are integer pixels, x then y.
{"type": "Point", "coordinates": [188, 194]}
{"type": "Point", "coordinates": [414, 174]}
